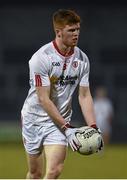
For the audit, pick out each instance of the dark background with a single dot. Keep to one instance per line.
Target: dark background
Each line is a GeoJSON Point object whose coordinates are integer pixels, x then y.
{"type": "Point", "coordinates": [27, 25]}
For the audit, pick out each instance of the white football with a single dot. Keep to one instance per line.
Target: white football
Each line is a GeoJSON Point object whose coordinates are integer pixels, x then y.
{"type": "Point", "coordinates": [91, 141]}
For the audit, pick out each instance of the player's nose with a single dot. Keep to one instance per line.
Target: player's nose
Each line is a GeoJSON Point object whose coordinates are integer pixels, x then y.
{"type": "Point", "coordinates": [76, 33]}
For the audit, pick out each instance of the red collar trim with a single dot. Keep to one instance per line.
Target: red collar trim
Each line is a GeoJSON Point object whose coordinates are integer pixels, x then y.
{"type": "Point", "coordinates": [56, 47]}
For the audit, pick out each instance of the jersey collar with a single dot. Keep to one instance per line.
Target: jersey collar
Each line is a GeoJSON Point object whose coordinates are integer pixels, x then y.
{"type": "Point", "coordinates": [58, 50]}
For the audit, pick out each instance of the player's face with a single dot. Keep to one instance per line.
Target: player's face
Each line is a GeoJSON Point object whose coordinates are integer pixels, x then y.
{"type": "Point", "coordinates": [70, 34]}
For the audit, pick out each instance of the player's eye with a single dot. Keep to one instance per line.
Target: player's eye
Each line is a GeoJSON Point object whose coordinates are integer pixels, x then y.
{"type": "Point", "coordinates": [73, 30]}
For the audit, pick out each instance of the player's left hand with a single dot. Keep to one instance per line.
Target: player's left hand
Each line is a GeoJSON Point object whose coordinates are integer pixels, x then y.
{"type": "Point", "coordinates": [95, 127]}
{"type": "Point", "coordinates": [99, 131]}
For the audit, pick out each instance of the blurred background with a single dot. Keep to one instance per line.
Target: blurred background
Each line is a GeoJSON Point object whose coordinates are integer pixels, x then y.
{"type": "Point", "coordinates": [26, 26]}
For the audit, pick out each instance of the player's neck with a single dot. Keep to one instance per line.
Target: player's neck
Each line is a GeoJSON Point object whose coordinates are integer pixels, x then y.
{"type": "Point", "coordinates": [62, 49]}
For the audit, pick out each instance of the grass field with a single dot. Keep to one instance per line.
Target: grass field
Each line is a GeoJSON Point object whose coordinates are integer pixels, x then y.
{"type": "Point", "coordinates": [112, 164]}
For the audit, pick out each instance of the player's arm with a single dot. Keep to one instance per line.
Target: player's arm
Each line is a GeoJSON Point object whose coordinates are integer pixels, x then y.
{"type": "Point", "coordinates": [39, 73]}
{"type": "Point", "coordinates": [86, 103]}
{"type": "Point", "coordinates": [85, 98]}
{"type": "Point", "coordinates": [43, 93]}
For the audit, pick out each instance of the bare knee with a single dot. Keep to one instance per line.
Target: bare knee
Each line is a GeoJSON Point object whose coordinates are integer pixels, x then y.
{"type": "Point", "coordinates": [35, 166]}
{"type": "Point", "coordinates": [54, 172]}
{"type": "Point", "coordinates": [34, 174]}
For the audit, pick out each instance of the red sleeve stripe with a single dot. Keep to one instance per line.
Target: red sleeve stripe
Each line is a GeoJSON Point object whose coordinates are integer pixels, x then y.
{"type": "Point", "coordinates": [38, 80]}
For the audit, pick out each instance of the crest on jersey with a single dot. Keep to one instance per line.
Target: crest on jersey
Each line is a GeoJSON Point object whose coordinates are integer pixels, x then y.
{"type": "Point", "coordinates": [75, 64]}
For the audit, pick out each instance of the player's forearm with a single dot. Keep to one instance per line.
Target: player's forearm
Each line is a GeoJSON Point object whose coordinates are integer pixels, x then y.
{"type": "Point", "coordinates": [86, 104]}
{"type": "Point", "coordinates": [52, 111]}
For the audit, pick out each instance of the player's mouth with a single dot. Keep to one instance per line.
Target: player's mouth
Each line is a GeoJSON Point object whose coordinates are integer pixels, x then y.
{"type": "Point", "coordinates": [75, 40]}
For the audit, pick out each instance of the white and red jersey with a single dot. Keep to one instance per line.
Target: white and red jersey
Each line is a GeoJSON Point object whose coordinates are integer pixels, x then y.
{"type": "Point", "coordinates": [48, 67]}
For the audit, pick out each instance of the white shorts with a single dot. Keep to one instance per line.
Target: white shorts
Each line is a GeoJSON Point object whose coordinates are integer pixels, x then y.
{"type": "Point", "coordinates": [35, 135]}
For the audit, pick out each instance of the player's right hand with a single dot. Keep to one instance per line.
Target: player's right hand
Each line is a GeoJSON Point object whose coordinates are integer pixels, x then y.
{"type": "Point", "coordinates": [72, 139]}
{"type": "Point", "coordinates": [70, 133]}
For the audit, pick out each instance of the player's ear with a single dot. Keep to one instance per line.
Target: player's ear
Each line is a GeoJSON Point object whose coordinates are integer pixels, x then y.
{"type": "Point", "coordinates": [58, 33]}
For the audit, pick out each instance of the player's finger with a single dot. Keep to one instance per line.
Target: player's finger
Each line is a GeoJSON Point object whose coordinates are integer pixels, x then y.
{"type": "Point", "coordinates": [73, 146]}
{"type": "Point", "coordinates": [76, 141]}
{"type": "Point", "coordinates": [76, 146]}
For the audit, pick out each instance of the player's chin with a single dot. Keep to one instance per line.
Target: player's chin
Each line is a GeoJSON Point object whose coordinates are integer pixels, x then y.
{"type": "Point", "coordinates": [74, 44]}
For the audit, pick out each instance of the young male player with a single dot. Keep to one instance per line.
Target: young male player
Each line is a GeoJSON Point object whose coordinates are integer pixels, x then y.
{"type": "Point", "coordinates": [55, 71]}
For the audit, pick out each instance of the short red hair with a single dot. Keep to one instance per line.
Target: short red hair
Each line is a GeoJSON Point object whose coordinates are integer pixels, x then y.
{"type": "Point", "coordinates": [64, 17]}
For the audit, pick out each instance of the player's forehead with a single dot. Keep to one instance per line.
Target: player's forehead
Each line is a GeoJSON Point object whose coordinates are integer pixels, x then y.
{"type": "Point", "coordinates": [72, 26]}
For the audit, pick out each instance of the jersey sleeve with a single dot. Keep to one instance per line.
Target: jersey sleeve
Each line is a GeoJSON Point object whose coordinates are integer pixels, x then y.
{"type": "Point", "coordinates": [85, 73]}
{"type": "Point", "coordinates": [39, 71]}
